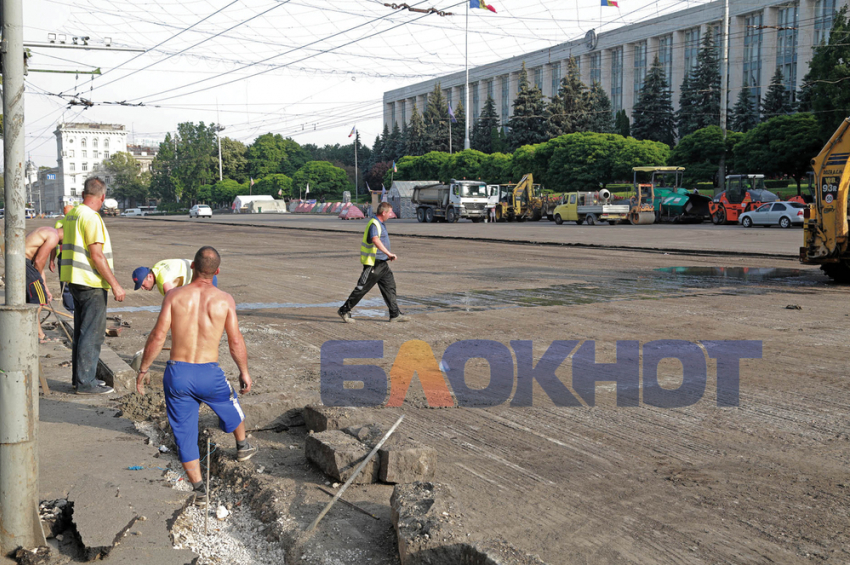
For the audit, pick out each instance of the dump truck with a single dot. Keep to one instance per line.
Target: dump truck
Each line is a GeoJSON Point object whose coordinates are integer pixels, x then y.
{"type": "Point", "coordinates": [743, 193]}
{"type": "Point", "coordinates": [825, 228]}
{"type": "Point", "coordinates": [590, 208]}
{"type": "Point", "coordinates": [670, 201]}
{"type": "Point", "coordinates": [109, 208]}
{"type": "Point", "coordinates": [451, 202]}
{"type": "Point", "coordinates": [519, 202]}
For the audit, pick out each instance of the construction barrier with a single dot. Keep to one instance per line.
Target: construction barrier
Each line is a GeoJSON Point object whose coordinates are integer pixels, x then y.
{"type": "Point", "coordinates": [351, 213]}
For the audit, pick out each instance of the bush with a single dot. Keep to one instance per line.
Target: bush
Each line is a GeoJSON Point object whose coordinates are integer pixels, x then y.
{"type": "Point", "coordinates": [177, 207]}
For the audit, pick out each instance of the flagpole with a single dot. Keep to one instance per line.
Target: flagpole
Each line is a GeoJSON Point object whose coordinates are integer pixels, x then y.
{"type": "Point", "coordinates": [466, 90]}
{"type": "Point", "coordinates": [356, 190]}
{"type": "Point", "coordinates": [450, 135]}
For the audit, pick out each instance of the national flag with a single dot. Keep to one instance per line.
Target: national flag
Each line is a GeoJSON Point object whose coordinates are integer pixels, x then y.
{"type": "Point", "coordinates": [353, 131]}
{"type": "Point", "coordinates": [252, 181]}
{"type": "Point", "coordinates": [280, 192]}
{"type": "Point", "coordinates": [395, 168]}
{"type": "Point", "coordinates": [610, 3]}
{"type": "Point", "coordinates": [484, 6]}
{"type": "Point", "coordinates": [308, 188]}
{"type": "Point", "coordinates": [452, 114]}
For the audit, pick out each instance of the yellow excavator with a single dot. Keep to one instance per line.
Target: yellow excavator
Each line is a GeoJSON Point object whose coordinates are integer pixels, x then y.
{"type": "Point", "coordinates": [825, 227]}
{"type": "Point", "coordinates": [520, 202]}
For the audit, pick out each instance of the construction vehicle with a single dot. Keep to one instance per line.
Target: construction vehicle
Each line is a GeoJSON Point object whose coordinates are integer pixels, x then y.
{"type": "Point", "coordinates": [743, 193]}
{"type": "Point", "coordinates": [550, 202]}
{"type": "Point", "coordinates": [519, 202]}
{"type": "Point", "coordinates": [451, 202]}
{"type": "Point", "coordinates": [590, 208]}
{"type": "Point", "coordinates": [642, 205]}
{"type": "Point", "coordinates": [670, 201]}
{"type": "Point", "coordinates": [809, 196]}
{"type": "Point", "coordinates": [109, 208]}
{"type": "Point", "coordinates": [825, 229]}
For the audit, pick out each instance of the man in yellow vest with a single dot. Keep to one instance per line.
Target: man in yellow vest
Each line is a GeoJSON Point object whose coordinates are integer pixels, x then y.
{"type": "Point", "coordinates": [375, 256]}
{"type": "Point", "coordinates": [86, 265]}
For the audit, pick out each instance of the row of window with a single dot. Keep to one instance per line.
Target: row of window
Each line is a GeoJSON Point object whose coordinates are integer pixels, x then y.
{"type": "Point", "coordinates": [83, 167]}
{"type": "Point", "coordinates": [94, 142]}
{"type": "Point", "coordinates": [84, 154]}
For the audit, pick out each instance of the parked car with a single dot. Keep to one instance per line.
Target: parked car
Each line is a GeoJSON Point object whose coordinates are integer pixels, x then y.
{"type": "Point", "coordinates": [200, 211]}
{"type": "Point", "coordinates": [133, 212]}
{"type": "Point", "coordinates": [782, 214]}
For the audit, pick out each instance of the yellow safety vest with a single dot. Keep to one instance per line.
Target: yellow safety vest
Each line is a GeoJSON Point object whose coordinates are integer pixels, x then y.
{"type": "Point", "coordinates": [75, 264]}
{"type": "Point", "coordinates": [367, 248]}
{"type": "Point", "coordinates": [178, 271]}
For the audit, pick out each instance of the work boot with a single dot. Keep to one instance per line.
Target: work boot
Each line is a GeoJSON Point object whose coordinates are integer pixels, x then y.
{"type": "Point", "coordinates": [243, 454]}
{"type": "Point", "coordinates": [400, 318]}
{"type": "Point", "coordinates": [200, 496]}
{"type": "Point", "coordinates": [346, 317]}
{"type": "Point", "coordinates": [96, 389]}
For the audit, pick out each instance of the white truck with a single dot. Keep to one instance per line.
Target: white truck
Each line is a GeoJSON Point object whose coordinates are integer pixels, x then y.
{"type": "Point", "coordinates": [109, 208]}
{"type": "Point", "coordinates": [451, 202]}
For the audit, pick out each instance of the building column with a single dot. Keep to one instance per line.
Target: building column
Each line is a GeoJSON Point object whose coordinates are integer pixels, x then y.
{"type": "Point", "coordinates": [585, 69]}
{"type": "Point", "coordinates": [805, 38]}
{"type": "Point", "coordinates": [737, 30]}
{"type": "Point", "coordinates": [628, 77]}
{"type": "Point", "coordinates": [768, 44]}
{"type": "Point", "coordinates": [678, 75]}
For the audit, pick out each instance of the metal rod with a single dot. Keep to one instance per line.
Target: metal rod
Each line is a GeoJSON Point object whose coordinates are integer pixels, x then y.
{"type": "Point", "coordinates": [207, 509]}
{"type": "Point", "coordinates": [354, 475]}
{"type": "Point", "coordinates": [724, 86]}
{"type": "Point", "coordinates": [94, 72]}
{"type": "Point", "coordinates": [329, 493]}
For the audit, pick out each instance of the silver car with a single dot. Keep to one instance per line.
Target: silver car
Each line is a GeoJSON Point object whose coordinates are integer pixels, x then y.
{"type": "Point", "coordinates": [782, 214]}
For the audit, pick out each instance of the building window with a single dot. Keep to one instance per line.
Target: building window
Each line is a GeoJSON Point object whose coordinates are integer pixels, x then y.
{"type": "Point", "coordinates": [752, 54]}
{"type": "Point", "coordinates": [94, 154]}
{"type": "Point", "coordinates": [640, 67]}
{"type": "Point", "coordinates": [392, 115]}
{"type": "Point", "coordinates": [476, 102]}
{"type": "Point", "coordinates": [506, 95]}
{"type": "Point", "coordinates": [556, 77]}
{"type": "Point", "coordinates": [106, 143]}
{"type": "Point", "coordinates": [85, 167]}
{"type": "Point", "coordinates": [83, 142]}
{"type": "Point", "coordinates": [71, 153]}
{"type": "Point", "coordinates": [96, 167]}
{"type": "Point", "coordinates": [538, 78]}
{"type": "Point", "coordinates": [71, 167]}
{"type": "Point", "coordinates": [403, 111]}
{"type": "Point", "coordinates": [691, 49]}
{"type": "Point", "coordinates": [595, 67]}
{"type": "Point", "coordinates": [84, 154]}
{"type": "Point", "coordinates": [786, 48]}
{"type": "Point", "coordinates": [824, 14]}
{"type": "Point", "coordinates": [665, 58]}
{"type": "Point", "coordinates": [94, 142]}
{"type": "Point", "coordinates": [106, 154]}
{"type": "Point", "coordinates": [617, 79]}
{"type": "Point", "coordinates": [462, 93]}
{"type": "Point", "coordinates": [448, 94]}
{"type": "Point", "coordinates": [490, 88]}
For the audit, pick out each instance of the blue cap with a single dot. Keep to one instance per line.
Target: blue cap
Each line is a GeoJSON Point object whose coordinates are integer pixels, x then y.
{"type": "Point", "coordinates": [139, 276]}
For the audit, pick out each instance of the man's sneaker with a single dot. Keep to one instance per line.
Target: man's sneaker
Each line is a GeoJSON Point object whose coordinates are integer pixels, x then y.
{"type": "Point", "coordinates": [346, 317]}
{"type": "Point", "coordinates": [246, 453]}
{"type": "Point", "coordinates": [97, 389]}
{"type": "Point", "coordinates": [98, 382]}
{"type": "Point", "coordinates": [400, 318]}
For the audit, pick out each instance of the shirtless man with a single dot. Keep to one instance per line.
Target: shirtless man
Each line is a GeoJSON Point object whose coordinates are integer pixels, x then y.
{"type": "Point", "coordinates": [41, 247]}
{"type": "Point", "coordinates": [197, 314]}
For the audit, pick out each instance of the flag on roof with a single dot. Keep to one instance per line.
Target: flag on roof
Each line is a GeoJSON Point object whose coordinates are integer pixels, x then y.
{"type": "Point", "coordinates": [484, 6]}
{"type": "Point", "coordinates": [610, 3]}
{"type": "Point", "coordinates": [452, 114]}
{"type": "Point", "coordinates": [354, 129]}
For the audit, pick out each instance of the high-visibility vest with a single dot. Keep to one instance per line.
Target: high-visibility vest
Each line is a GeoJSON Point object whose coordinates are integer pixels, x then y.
{"type": "Point", "coordinates": [367, 248]}
{"type": "Point", "coordinates": [177, 271]}
{"type": "Point", "coordinates": [75, 264]}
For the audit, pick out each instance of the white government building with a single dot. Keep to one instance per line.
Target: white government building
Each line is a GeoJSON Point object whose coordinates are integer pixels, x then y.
{"type": "Point", "coordinates": [763, 35]}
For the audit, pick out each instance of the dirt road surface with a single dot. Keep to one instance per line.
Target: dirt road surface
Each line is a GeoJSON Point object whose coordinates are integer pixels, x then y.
{"type": "Point", "coordinates": [763, 482]}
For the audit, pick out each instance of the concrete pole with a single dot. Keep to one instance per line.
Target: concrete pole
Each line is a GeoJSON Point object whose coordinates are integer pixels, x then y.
{"type": "Point", "coordinates": [220, 170]}
{"type": "Point", "coordinates": [724, 87]}
{"type": "Point", "coordinates": [466, 90]}
{"type": "Point", "coordinates": [19, 523]}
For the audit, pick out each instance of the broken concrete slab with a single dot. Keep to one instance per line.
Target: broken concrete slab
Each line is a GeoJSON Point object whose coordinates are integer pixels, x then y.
{"type": "Point", "coordinates": [111, 369]}
{"type": "Point", "coordinates": [369, 434]}
{"type": "Point", "coordinates": [100, 515]}
{"type": "Point", "coordinates": [275, 411]}
{"type": "Point", "coordinates": [407, 462]}
{"type": "Point", "coordinates": [338, 454]}
{"type": "Point", "coordinates": [320, 418]}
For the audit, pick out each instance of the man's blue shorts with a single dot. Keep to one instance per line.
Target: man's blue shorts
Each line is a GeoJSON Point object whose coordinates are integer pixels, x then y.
{"type": "Point", "coordinates": [186, 386]}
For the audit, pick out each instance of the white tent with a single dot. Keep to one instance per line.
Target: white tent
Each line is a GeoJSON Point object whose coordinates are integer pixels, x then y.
{"type": "Point", "coordinates": [399, 196]}
{"type": "Point", "coordinates": [240, 203]}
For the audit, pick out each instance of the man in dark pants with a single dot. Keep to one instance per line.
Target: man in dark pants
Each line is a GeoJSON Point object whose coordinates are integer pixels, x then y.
{"type": "Point", "coordinates": [375, 256]}
{"type": "Point", "coordinates": [86, 265]}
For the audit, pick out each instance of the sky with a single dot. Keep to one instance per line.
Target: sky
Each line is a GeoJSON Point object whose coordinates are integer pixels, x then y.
{"type": "Point", "coordinates": [305, 69]}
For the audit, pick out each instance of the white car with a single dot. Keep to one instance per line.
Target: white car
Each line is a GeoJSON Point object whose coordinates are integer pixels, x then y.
{"type": "Point", "coordinates": [200, 211]}
{"type": "Point", "coordinates": [782, 214]}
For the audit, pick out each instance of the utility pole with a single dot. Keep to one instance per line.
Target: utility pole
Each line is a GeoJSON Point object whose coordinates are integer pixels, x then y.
{"type": "Point", "coordinates": [724, 86]}
{"type": "Point", "coordinates": [466, 84]}
{"type": "Point", "coordinates": [19, 523]}
{"type": "Point", "coordinates": [218, 130]}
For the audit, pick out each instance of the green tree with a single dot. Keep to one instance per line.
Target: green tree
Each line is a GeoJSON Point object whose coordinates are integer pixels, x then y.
{"type": "Point", "coordinates": [271, 153]}
{"type": "Point", "coordinates": [277, 185]}
{"type": "Point", "coordinates": [567, 112]}
{"type": "Point", "coordinates": [458, 128]}
{"type": "Point", "coordinates": [498, 140]}
{"type": "Point", "coordinates": [415, 138]}
{"type": "Point", "coordinates": [196, 157]}
{"type": "Point", "coordinates": [621, 124]}
{"type": "Point", "coordinates": [777, 99]}
{"type": "Point", "coordinates": [165, 183]}
{"type": "Point", "coordinates": [324, 179]}
{"type": "Point", "coordinates": [397, 143]}
{"type": "Point", "coordinates": [745, 114]}
{"type": "Point", "coordinates": [225, 191]}
{"type": "Point", "coordinates": [600, 111]}
{"type": "Point", "coordinates": [825, 91]}
{"type": "Point", "coordinates": [380, 174]}
{"type": "Point", "coordinates": [482, 130]}
{"type": "Point", "coordinates": [652, 116]}
{"type": "Point", "coordinates": [464, 164]}
{"type": "Point", "coordinates": [383, 143]}
{"type": "Point", "coordinates": [234, 159]}
{"type": "Point", "coordinates": [700, 152]}
{"type": "Point", "coordinates": [496, 168]}
{"type": "Point", "coordinates": [783, 145]}
{"type": "Point", "coordinates": [436, 118]}
{"type": "Point", "coordinates": [529, 123]}
{"type": "Point", "coordinates": [126, 180]}
{"type": "Point", "coordinates": [699, 101]}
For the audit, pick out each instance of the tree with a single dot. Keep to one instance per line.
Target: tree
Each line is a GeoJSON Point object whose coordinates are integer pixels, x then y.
{"type": "Point", "coordinates": [436, 118]}
{"type": "Point", "coordinates": [277, 185]}
{"type": "Point", "coordinates": [652, 116]}
{"type": "Point", "coordinates": [777, 100]}
{"type": "Point", "coordinates": [464, 164]}
{"type": "Point", "coordinates": [415, 135]}
{"type": "Point", "coordinates": [783, 145]}
{"type": "Point", "coordinates": [397, 143]}
{"type": "Point", "coordinates": [700, 152]}
{"type": "Point", "coordinates": [165, 183]}
{"type": "Point", "coordinates": [271, 153]}
{"type": "Point", "coordinates": [324, 179]}
{"type": "Point", "coordinates": [458, 128]}
{"type": "Point", "coordinates": [528, 124]}
{"type": "Point", "coordinates": [699, 102]}
{"type": "Point", "coordinates": [376, 175]}
{"type": "Point", "coordinates": [601, 117]}
{"type": "Point", "coordinates": [234, 159]}
{"type": "Point", "coordinates": [126, 181]}
{"type": "Point", "coordinates": [745, 114]}
{"type": "Point", "coordinates": [482, 130]}
{"type": "Point", "coordinates": [496, 168]}
{"type": "Point", "coordinates": [825, 91]}
{"type": "Point", "coordinates": [621, 124]}
{"type": "Point", "coordinates": [195, 157]}
{"type": "Point", "coordinates": [225, 191]}
{"type": "Point", "coordinates": [567, 112]}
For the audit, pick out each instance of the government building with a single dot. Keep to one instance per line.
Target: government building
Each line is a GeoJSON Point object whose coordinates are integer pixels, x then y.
{"type": "Point", "coordinates": [763, 36]}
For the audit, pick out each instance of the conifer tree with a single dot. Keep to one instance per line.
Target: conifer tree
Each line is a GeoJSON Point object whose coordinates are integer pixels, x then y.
{"type": "Point", "coordinates": [699, 102]}
{"type": "Point", "coordinates": [745, 114]}
{"type": "Point", "coordinates": [436, 118]}
{"type": "Point", "coordinates": [528, 125]}
{"type": "Point", "coordinates": [568, 108]}
{"type": "Point", "coordinates": [415, 134]}
{"type": "Point", "coordinates": [600, 112]}
{"type": "Point", "coordinates": [482, 131]}
{"type": "Point", "coordinates": [385, 135]}
{"type": "Point", "coordinates": [396, 143]}
{"type": "Point", "coordinates": [621, 124]}
{"type": "Point", "coordinates": [652, 116]}
{"type": "Point", "coordinates": [458, 128]}
{"type": "Point", "coordinates": [777, 100]}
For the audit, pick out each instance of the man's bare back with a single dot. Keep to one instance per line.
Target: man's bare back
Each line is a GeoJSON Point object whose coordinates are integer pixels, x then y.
{"type": "Point", "coordinates": [44, 237]}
